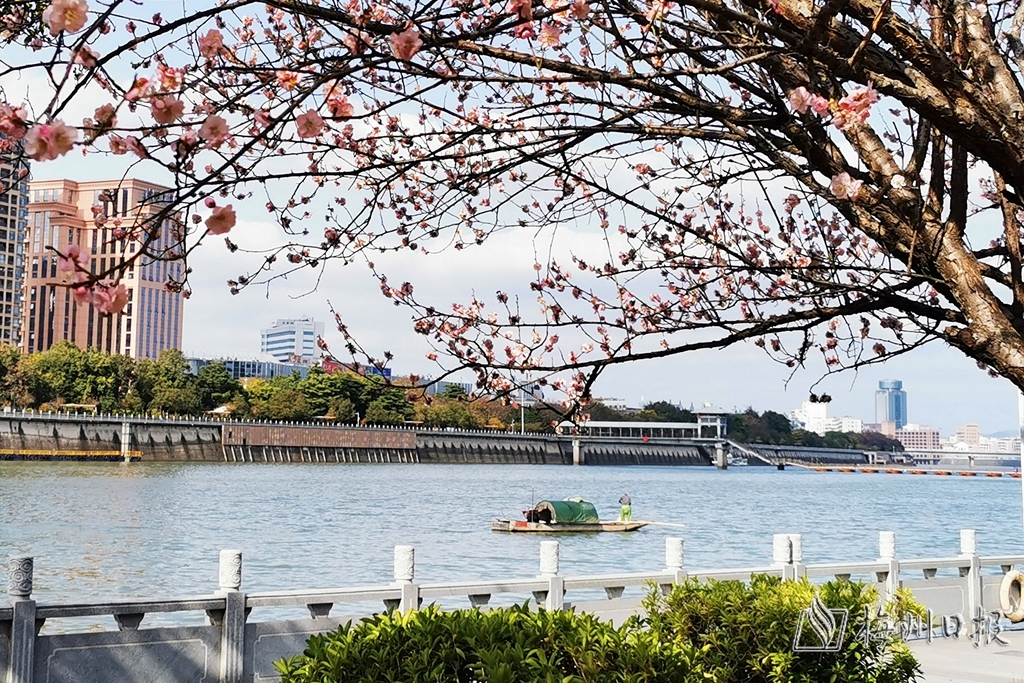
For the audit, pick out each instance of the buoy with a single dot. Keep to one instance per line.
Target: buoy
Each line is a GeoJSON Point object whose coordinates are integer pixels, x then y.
{"type": "Point", "coordinates": [993, 474]}
{"type": "Point", "coordinates": [1015, 475]}
{"type": "Point", "coordinates": [966, 474]}
{"type": "Point", "coordinates": [942, 473]}
{"type": "Point", "coordinates": [869, 470]}
{"type": "Point", "coordinates": [894, 471]}
{"type": "Point", "coordinates": [1009, 596]}
{"type": "Point", "coordinates": [917, 472]}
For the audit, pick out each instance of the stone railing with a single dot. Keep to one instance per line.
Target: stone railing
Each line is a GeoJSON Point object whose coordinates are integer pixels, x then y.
{"type": "Point", "coordinates": [234, 645]}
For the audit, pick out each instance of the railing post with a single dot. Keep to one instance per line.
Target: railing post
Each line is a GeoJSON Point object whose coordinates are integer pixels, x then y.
{"type": "Point", "coordinates": [674, 559]}
{"type": "Point", "coordinates": [232, 642]}
{"type": "Point", "coordinates": [796, 551]}
{"type": "Point", "coordinates": [21, 662]}
{"type": "Point", "coordinates": [971, 573]}
{"type": "Point", "coordinates": [405, 574]}
{"type": "Point", "coordinates": [126, 440]}
{"type": "Point", "coordinates": [782, 555]}
{"type": "Point", "coordinates": [554, 599]}
{"type": "Point", "coordinates": [887, 554]}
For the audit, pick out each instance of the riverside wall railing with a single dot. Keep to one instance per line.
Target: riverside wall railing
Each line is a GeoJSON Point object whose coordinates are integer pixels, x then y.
{"type": "Point", "coordinates": [175, 438]}
{"type": "Point", "coordinates": [245, 632]}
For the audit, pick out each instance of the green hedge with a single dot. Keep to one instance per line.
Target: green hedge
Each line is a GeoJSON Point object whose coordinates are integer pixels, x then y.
{"type": "Point", "coordinates": [702, 632]}
{"type": "Point", "coordinates": [745, 631]}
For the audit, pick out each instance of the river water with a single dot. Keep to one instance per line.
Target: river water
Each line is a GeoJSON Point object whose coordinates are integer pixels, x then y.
{"type": "Point", "coordinates": [109, 530]}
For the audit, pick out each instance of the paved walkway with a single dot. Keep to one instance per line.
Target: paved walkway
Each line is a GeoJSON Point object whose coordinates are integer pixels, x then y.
{"type": "Point", "coordinates": [959, 661]}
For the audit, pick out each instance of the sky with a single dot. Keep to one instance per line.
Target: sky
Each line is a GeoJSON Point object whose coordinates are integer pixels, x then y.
{"type": "Point", "coordinates": [944, 388]}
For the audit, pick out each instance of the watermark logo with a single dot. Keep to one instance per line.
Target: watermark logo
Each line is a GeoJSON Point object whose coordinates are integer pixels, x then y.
{"type": "Point", "coordinates": [820, 629]}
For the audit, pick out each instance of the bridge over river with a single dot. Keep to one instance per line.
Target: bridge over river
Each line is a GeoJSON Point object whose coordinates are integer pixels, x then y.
{"type": "Point", "coordinates": [26, 435]}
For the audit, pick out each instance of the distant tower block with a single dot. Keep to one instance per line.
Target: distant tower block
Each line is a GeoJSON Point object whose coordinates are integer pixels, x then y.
{"type": "Point", "coordinates": [891, 403]}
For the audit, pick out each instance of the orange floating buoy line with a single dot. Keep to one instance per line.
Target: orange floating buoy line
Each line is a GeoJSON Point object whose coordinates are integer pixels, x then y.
{"type": "Point", "coordinates": [894, 471]}
{"type": "Point", "coordinates": [1015, 475]}
{"type": "Point", "coordinates": [847, 469]}
{"type": "Point", "coordinates": [822, 469]}
{"type": "Point", "coordinates": [942, 473]}
{"type": "Point", "coordinates": [869, 470]}
{"type": "Point", "coordinates": [967, 474]}
{"type": "Point", "coordinates": [993, 474]}
{"type": "Point", "coordinates": [918, 472]}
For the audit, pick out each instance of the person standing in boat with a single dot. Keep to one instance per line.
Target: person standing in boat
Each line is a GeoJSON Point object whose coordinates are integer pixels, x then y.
{"type": "Point", "coordinates": [626, 511]}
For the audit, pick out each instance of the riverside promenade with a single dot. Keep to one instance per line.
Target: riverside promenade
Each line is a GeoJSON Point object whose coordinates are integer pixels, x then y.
{"type": "Point", "coordinates": [233, 636]}
{"type": "Point", "coordinates": [961, 661]}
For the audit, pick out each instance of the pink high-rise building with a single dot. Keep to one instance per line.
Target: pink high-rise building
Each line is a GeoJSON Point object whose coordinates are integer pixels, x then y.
{"type": "Point", "coordinates": [61, 213]}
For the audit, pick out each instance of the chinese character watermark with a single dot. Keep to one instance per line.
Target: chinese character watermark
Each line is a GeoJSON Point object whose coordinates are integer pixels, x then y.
{"type": "Point", "coordinates": [821, 629]}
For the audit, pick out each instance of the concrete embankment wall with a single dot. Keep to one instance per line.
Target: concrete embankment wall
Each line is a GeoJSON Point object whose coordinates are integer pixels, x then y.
{"type": "Point", "coordinates": [215, 441]}
{"type": "Point", "coordinates": [155, 440]}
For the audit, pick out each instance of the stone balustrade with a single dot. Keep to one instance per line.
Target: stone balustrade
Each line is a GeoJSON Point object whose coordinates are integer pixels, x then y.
{"type": "Point", "coordinates": [236, 645]}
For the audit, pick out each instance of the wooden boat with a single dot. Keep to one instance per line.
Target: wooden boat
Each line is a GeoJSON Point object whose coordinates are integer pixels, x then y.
{"type": "Point", "coordinates": [563, 516]}
{"type": "Point", "coordinates": [520, 526]}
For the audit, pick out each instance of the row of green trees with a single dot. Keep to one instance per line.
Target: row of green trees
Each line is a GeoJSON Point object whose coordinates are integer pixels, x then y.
{"type": "Point", "coordinates": [66, 376]}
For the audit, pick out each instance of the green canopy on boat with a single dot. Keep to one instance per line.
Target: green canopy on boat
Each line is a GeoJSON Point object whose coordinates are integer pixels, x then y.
{"type": "Point", "coordinates": [569, 511]}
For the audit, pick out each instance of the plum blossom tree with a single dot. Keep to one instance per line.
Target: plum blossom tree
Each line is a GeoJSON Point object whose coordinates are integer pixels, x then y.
{"type": "Point", "coordinates": [840, 179]}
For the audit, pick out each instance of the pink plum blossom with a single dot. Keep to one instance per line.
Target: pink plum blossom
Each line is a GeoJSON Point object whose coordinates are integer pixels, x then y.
{"type": "Point", "coordinates": [221, 220]}
{"type": "Point", "coordinates": [74, 259]}
{"type": "Point", "coordinates": [86, 56]}
{"type": "Point", "coordinates": [47, 141]}
{"type": "Point", "coordinates": [289, 80]}
{"type": "Point", "coordinates": [212, 44]}
{"type": "Point", "coordinates": [658, 10]}
{"type": "Point", "coordinates": [356, 42]}
{"type": "Point", "coordinates": [82, 293]}
{"type": "Point", "coordinates": [133, 144]}
{"type": "Point", "coordinates": [580, 10]}
{"type": "Point", "coordinates": [167, 109]}
{"type": "Point", "coordinates": [109, 298]}
{"type": "Point", "coordinates": [13, 121]}
{"type": "Point", "coordinates": [170, 78]}
{"type": "Point", "coordinates": [118, 146]}
{"type": "Point", "coordinates": [855, 108]}
{"type": "Point", "coordinates": [845, 187]}
{"type": "Point", "coordinates": [800, 100]}
{"type": "Point", "coordinates": [309, 124]}
{"type": "Point", "coordinates": [66, 15]}
{"type": "Point", "coordinates": [214, 131]}
{"type": "Point", "coordinates": [406, 44]}
{"type": "Point", "coordinates": [140, 88]}
{"type": "Point", "coordinates": [521, 8]}
{"type": "Point", "coordinates": [261, 117]}
{"type": "Point", "coordinates": [550, 35]}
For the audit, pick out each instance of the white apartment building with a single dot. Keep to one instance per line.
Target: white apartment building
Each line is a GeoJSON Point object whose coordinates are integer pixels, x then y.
{"type": "Point", "coordinates": [813, 417]}
{"type": "Point", "coordinates": [292, 340]}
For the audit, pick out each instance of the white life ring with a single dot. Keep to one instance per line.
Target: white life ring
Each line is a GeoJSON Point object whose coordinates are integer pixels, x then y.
{"type": "Point", "coordinates": [1010, 599]}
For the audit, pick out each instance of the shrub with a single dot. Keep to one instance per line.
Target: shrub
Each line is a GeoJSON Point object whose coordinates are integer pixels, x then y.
{"type": "Point", "coordinates": [701, 632]}
{"type": "Point", "coordinates": [745, 631]}
{"type": "Point", "coordinates": [511, 645]}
